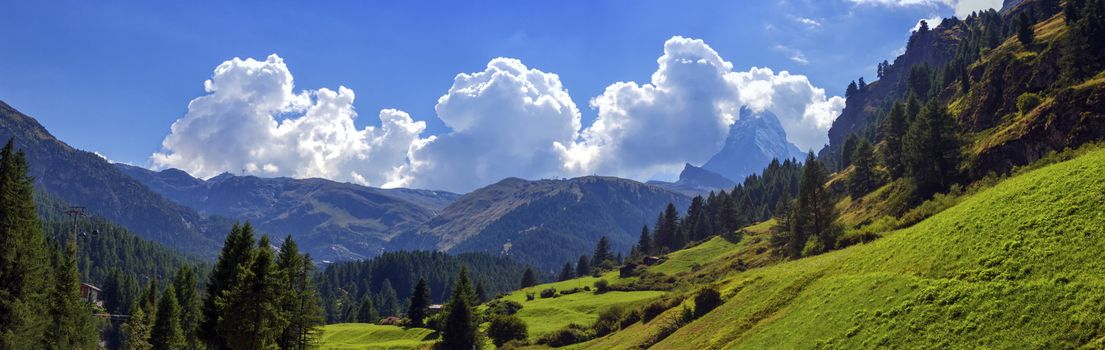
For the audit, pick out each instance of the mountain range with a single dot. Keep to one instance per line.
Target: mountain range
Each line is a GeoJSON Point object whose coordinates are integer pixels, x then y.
{"type": "Point", "coordinates": [85, 179]}
{"type": "Point", "coordinates": [331, 220]}
{"type": "Point", "coordinates": [544, 223]}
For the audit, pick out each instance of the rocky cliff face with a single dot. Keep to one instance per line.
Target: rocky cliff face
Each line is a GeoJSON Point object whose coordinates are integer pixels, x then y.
{"type": "Point", "coordinates": [934, 47]}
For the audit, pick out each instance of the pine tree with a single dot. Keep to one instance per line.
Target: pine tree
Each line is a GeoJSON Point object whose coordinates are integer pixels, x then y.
{"type": "Point", "coordinates": [300, 304]}
{"type": "Point", "coordinates": [167, 333]}
{"type": "Point", "coordinates": [644, 244]}
{"type": "Point", "coordinates": [583, 266]}
{"type": "Point", "coordinates": [366, 313]}
{"type": "Point", "coordinates": [387, 299]}
{"type": "Point", "coordinates": [863, 178]}
{"type": "Point", "coordinates": [529, 278]}
{"type": "Point", "coordinates": [847, 150]}
{"type": "Point", "coordinates": [481, 293]}
{"type": "Point", "coordinates": [136, 331]}
{"type": "Point", "coordinates": [234, 259]}
{"type": "Point", "coordinates": [813, 213]}
{"type": "Point", "coordinates": [862, 85]}
{"type": "Point", "coordinates": [697, 225]}
{"type": "Point", "coordinates": [602, 252]}
{"type": "Point", "coordinates": [894, 129]}
{"type": "Point", "coordinates": [851, 90]}
{"type": "Point", "coordinates": [782, 239]}
{"type": "Point", "coordinates": [23, 256]}
{"type": "Point", "coordinates": [460, 329]}
{"type": "Point", "coordinates": [931, 150]}
{"type": "Point", "coordinates": [566, 273]}
{"type": "Point", "coordinates": [251, 317]}
{"type": "Point", "coordinates": [1024, 30]}
{"type": "Point", "coordinates": [148, 300]}
{"type": "Point", "coordinates": [420, 302]}
{"type": "Point", "coordinates": [816, 204]}
{"type": "Point", "coordinates": [70, 320]}
{"type": "Point", "coordinates": [728, 215]}
{"type": "Point", "coordinates": [191, 306]}
{"type": "Point", "coordinates": [667, 230]}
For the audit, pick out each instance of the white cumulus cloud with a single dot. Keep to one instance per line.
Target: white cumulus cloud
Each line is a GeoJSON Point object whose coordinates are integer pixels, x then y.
{"type": "Point", "coordinates": [252, 119]}
{"type": "Point", "coordinates": [684, 113]}
{"type": "Point", "coordinates": [506, 120]}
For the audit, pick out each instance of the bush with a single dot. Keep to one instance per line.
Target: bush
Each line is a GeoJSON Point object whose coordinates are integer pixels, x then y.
{"type": "Point", "coordinates": [602, 286]}
{"type": "Point", "coordinates": [570, 291]}
{"type": "Point", "coordinates": [548, 293]}
{"type": "Point", "coordinates": [503, 307]}
{"type": "Point", "coordinates": [514, 344]}
{"type": "Point", "coordinates": [631, 317]}
{"type": "Point", "coordinates": [572, 334]}
{"type": "Point", "coordinates": [705, 301]}
{"type": "Point", "coordinates": [1027, 102]}
{"type": "Point", "coordinates": [504, 328]}
{"type": "Point", "coordinates": [658, 307]}
{"type": "Point", "coordinates": [610, 320]}
{"type": "Point", "coordinates": [666, 327]}
{"type": "Point", "coordinates": [530, 296]}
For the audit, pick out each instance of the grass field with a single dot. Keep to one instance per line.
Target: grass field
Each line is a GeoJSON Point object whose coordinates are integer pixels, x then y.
{"type": "Point", "coordinates": [374, 337]}
{"type": "Point", "coordinates": [544, 315]}
{"type": "Point", "coordinates": [1016, 266]}
{"type": "Point", "coordinates": [687, 259]}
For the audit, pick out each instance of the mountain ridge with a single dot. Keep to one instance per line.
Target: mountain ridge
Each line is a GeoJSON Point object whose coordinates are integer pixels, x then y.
{"type": "Point", "coordinates": [329, 219]}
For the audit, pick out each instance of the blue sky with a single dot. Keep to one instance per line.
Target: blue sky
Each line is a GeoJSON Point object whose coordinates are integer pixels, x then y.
{"type": "Point", "coordinates": [112, 76]}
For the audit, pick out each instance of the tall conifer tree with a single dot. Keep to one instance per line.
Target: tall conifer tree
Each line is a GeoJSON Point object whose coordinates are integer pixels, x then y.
{"type": "Point", "coordinates": [167, 333]}
{"type": "Point", "coordinates": [460, 331]}
{"type": "Point", "coordinates": [23, 256]}
{"type": "Point", "coordinates": [420, 302]}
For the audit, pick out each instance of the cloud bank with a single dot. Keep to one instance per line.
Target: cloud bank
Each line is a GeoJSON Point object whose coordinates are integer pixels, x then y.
{"type": "Point", "coordinates": [506, 120]}
{"type": "Point", "coordinates": [962, 7]}
{"type": "Point", "coordinates": [251, 120]}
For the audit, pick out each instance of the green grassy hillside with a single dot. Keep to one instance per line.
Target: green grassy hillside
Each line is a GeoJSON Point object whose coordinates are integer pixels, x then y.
{"type": "Point", "coordinates": [1018, 265]}
{"type": "Point", "coordinates": [544, 315]}
{"type": "Point", "coordinates": [373, 337]}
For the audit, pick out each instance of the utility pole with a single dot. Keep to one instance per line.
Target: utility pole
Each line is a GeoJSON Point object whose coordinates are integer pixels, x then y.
{"type": "Point", "coordinates": [76, 213]}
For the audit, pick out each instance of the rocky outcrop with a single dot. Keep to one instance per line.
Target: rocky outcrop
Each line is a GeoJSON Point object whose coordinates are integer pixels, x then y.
{"type": "Point", "coordinates": [1075, 116]}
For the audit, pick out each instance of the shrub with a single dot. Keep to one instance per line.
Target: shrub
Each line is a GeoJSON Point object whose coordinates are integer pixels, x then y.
{"type": "Point", "coordinates": [503, 307]}
{"type": "Point", "coordinates": [514, 344]}
{"type": "Point", "coordinates": [667, 326]}
{"type": "Point", "coordinates": [529, 296]}
{"type": "Point", "coordinates": [705, 301]}
{"type": "Point", "coordinates": [1027, 102]}
{"type": "Point", "coordinates": [504, 328]}
{"type": "Point", "coordinates": [631, 317]}
{"type": "Point", "coordinates": [569, 335]}
{"type": "Point", "coordinates": [658, 307]}
{"type": "Point", "coordinates": [587, 288]}
{"type": "Point", "coordinates": [602, 286]}
{"type": "Point", "coordinates": [610, 320]}
{"type": "Point", "coordinates": [548, 293]}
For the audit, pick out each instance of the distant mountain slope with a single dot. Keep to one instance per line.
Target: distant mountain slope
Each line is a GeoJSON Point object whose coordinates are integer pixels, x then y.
{"type": "Point", "coordinates": [754, 140]}
{"type": "Point", "coordinates": [544, 223]}
{"type": "Point", "coordinates": [330, 220]}
{"type": "Point", "coordinates": [86, 179]}
{"type": "Point", "coordinates": [694, 181]}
